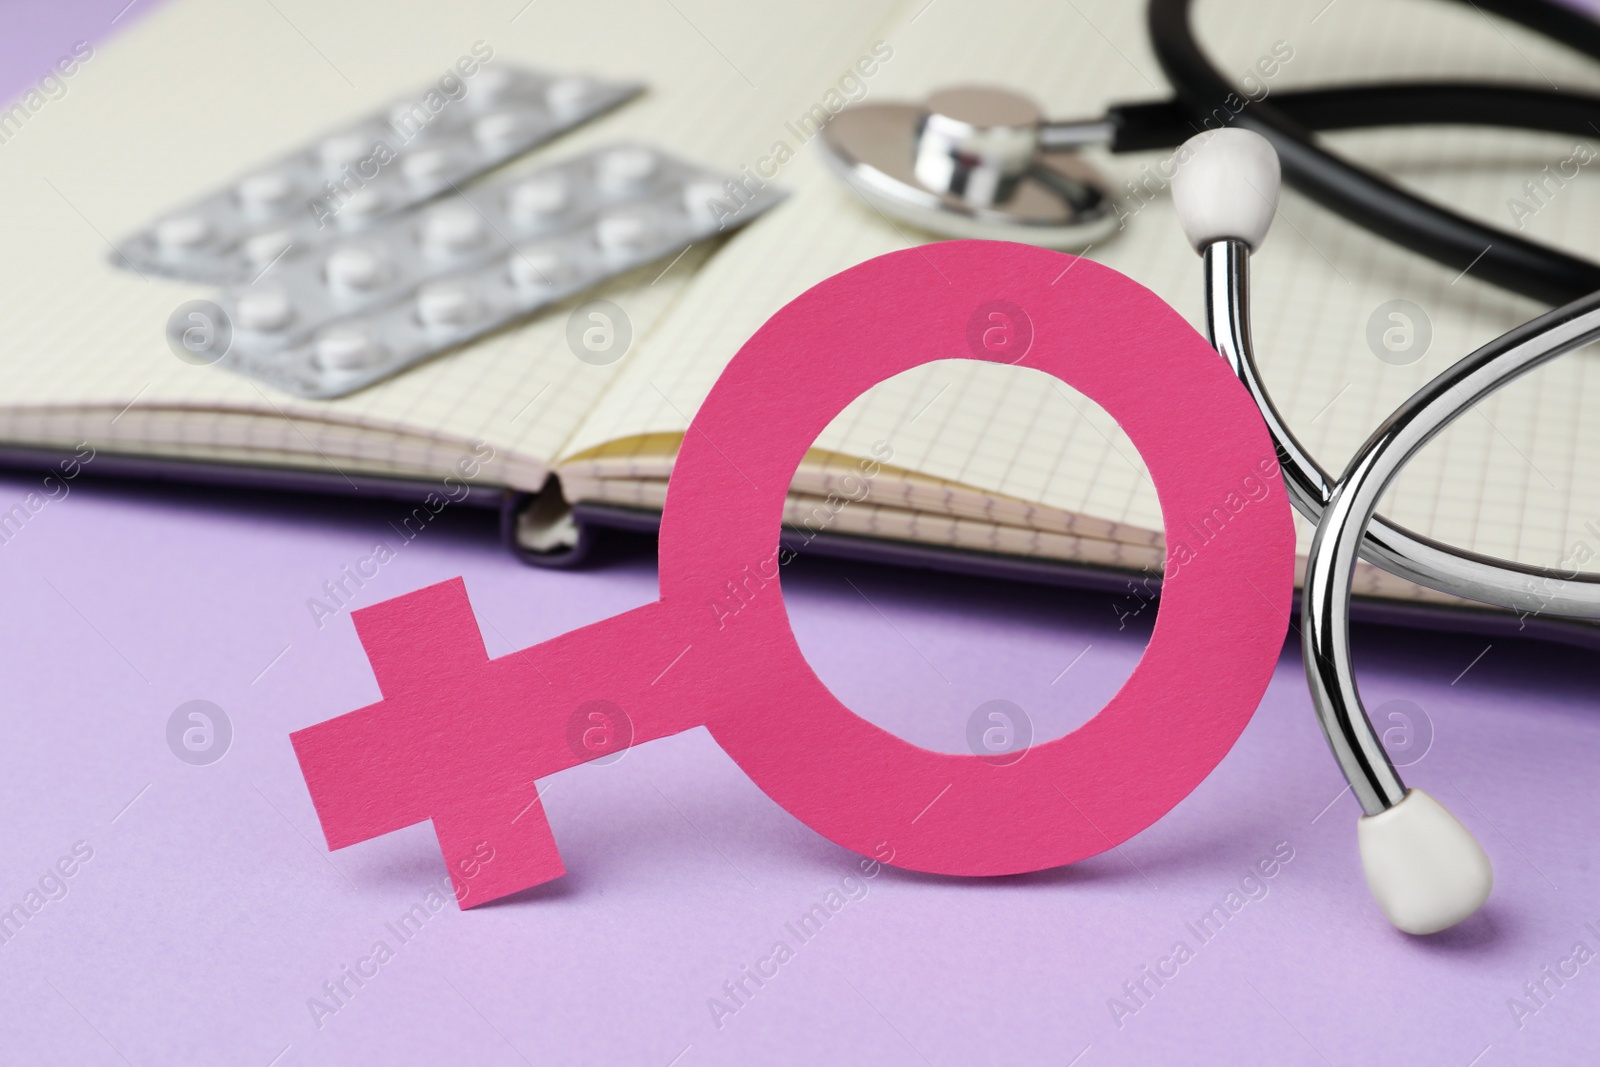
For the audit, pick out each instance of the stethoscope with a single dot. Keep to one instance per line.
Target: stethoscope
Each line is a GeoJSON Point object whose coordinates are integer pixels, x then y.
{"type": "Point", "coordinates": [976, 162]}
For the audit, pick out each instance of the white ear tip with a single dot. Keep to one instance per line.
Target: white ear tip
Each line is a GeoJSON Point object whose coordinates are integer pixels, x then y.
{"type": "Point", "coordinates": [1226, 185]}
{"type": "Point", "coordinates": [1425, 869]}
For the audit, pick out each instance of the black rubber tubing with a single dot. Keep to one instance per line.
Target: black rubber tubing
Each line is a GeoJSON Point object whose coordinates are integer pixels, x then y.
{"type": "Point", "coordinates": [1207, 99]}
{"type": "Point", "coordinates": [1167, 124]}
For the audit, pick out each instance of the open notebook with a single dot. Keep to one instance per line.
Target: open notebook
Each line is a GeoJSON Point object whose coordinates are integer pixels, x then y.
{"type": "Point", "coordinates": [989, 462]}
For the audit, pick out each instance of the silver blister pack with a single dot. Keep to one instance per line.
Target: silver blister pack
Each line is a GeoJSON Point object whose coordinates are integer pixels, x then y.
{"type": "Point", "coordinates": [352, 178]}
{"type": "Point", "coordinates": [408, 287]}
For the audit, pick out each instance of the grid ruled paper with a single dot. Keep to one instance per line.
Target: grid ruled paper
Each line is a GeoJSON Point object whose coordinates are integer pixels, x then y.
{"type": "Point", "coordinates": [1025, 462]}
{"type": "Point", "coordinates": [1506, 480]}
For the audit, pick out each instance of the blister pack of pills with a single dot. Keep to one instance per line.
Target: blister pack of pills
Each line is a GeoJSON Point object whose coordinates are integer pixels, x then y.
{"type": "Point", "coordinates": [411, 151]}
{"type": "Point", "coordinates": [407, 287]}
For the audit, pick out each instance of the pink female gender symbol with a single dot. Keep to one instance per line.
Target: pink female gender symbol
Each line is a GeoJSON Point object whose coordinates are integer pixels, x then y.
{"type": "Point", "coordinates": [460, 739]}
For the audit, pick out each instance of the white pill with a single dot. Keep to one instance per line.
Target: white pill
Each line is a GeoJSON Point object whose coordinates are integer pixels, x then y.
{"type": "Point", "coordinates": [502, 129]}
{"type": "Point", "coordinates": [536, 199]}
{"type": "Point", "coordinates": [623, 232]}
{"type": "Point", "coordinates": [262, 310]}
{"type": "Point", "coordinates": [567, 96]}
{"type": "Point", "coordinates": [353, 267]}
{"type": "Point", "coordinates": [263, 248]}
{"type": "Point", "coordinates": [182, 232]}
{"type": "Point", "coordinates": [453, 227]}
{"type": "Point", "coordinates": [539, 269]}
{"type": "Point", "coordinates": [346, 348]}
{"type": "Point", "coordinates": [363, 205]}
{"type": "Point", "coordinates": [492, 83]}
{"type": "Point", "coordinates": [450, 303]}
{"type": "Point", "coordinates": [708, 202]}
{"type": "Point", "coordinates": [409, 116]}
{"type": "Point", "coordinates": [624, 168]}
{"type": "Point", "coordinates": [426, 167]}
{"type": "Point", "coordinates": [344, 148]}
{"type": "Point", "coordinates": [261, 192]}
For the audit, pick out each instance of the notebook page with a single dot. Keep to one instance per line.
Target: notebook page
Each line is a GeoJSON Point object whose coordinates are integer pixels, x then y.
{"type": "Point", "coordinates": [1503, 481]}
{"type": "Point", "coordinates": [196, 93]}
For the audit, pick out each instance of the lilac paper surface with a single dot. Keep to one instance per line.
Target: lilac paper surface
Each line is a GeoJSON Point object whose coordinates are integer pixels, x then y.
{"type": "Point", "coordinates": [36, 34]}
{"type": "Point", "coordinates": [208, 921]}
{"type": "Point", "coordinates": [209, 917]}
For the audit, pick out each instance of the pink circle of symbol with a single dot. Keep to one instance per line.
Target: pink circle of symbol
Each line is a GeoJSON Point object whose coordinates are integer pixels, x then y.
{"type": "Point", "coordinates": [459, 738]}
{"type": "Point", "coordinates": [1217, 635]}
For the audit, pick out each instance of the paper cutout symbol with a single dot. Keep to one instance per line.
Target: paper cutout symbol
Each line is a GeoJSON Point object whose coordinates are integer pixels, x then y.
{"type": "Point", "coordinates": [459, 738]}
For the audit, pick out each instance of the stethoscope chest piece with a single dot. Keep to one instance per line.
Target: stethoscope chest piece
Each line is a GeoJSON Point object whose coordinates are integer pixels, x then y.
{"type": "Point", "coordinates": [971, 162]}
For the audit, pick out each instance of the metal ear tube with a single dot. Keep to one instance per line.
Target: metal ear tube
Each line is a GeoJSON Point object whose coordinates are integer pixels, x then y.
{"type": "Point", "coordinates": [1424, 868]}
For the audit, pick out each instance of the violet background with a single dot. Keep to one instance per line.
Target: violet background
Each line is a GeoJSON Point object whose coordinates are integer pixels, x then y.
{"type": "Point", "coordinates": [210, 911]}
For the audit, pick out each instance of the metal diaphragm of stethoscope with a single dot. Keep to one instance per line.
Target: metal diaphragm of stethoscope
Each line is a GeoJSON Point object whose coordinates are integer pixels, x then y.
{"type": "Point", "coordinates": [980, 161]}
